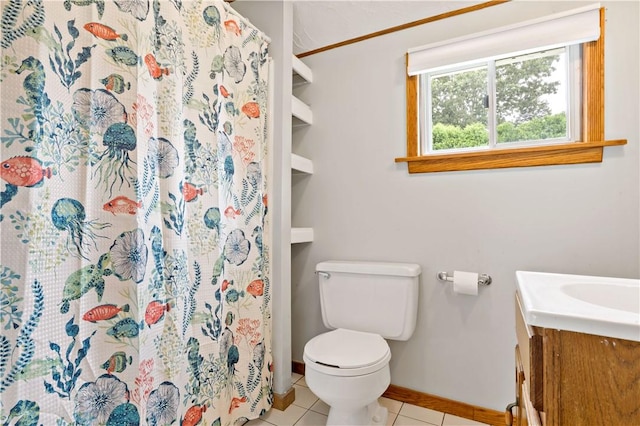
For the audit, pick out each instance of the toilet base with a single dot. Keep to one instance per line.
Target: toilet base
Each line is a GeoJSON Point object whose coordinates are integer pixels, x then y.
{"type": "Point", "coordinates": [371, 415]}
{"type": "Point", "coordinates": [377, 413]}
{"type": "Point", "coordinates": [352, 399]}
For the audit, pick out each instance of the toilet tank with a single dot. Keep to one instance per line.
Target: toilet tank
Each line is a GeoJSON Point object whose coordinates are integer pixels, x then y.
{"type": "Point", "coordinates": [376, 297]}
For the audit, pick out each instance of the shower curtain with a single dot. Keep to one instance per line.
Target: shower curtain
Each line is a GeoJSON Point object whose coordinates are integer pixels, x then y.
{"type": "Point", "coordinates": [134, 262]}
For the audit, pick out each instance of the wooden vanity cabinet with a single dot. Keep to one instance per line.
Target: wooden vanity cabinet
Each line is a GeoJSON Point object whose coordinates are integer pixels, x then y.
{"type": "Point", "coordinates": [568, 378]}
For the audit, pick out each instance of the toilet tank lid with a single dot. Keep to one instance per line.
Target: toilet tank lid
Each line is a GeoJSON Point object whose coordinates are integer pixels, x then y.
{"type": "Point", "coordinates": [372, 268]}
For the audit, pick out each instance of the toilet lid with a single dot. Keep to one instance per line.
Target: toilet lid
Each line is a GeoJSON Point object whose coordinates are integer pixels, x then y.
{"type": "Point", "coordinates": [347, 349]}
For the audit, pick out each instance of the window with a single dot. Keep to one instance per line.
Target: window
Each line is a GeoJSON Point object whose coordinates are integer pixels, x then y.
{"type": "Point", "coordinates": [517, 101]}
{"type": "Point", "coordinates": [525, 95]}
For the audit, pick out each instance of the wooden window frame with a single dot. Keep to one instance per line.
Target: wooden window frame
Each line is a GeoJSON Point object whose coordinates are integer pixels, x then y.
{"type": "Point", "coordinates": [588, 150]}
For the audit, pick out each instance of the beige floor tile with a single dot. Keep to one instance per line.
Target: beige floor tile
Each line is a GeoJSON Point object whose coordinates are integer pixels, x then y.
{"type": "Point", "coordinates": [304, 397]}
{"type": "Point", "coordinates": [451, 420]}
{"type": "Point", "coordinates": [288, 417]}
{"type": "Point", "coordinates": [302, 382]}
{"type": "Point", "coordinates": [422, 414]}
{"type": "Point", "coordinates": [408, 421]}
{"type": "Point", "coordinates": [295, 377]}
{"type": "Point", "coordinates": [391, 404]}
{"type": "Point", "coordinates": [311, 418]}
{"type": "Point", "coordinates": [391, 418]}
{"type": "Point", "coordinates": [320, 407]}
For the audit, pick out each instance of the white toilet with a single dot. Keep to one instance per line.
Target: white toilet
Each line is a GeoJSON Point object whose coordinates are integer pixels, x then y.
{"type": "Point", "coordinates": [365, 303]}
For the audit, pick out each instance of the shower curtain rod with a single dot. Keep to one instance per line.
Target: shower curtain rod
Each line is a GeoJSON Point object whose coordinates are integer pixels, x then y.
{"type": "Point", "coordinates": [246, 21]}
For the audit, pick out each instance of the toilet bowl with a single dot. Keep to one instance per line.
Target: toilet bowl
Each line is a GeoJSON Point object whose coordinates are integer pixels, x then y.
{"type": "Point", "coordinates": [349, 371]}
{"type": "Point", "coordinates": [364, 303]}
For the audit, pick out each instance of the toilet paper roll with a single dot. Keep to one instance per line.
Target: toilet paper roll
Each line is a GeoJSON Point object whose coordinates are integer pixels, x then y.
{"type": "Point", "coordinates": [465, 283]}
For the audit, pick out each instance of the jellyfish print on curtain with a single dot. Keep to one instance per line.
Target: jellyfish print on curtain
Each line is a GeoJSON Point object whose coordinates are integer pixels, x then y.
{"type": "Point", "coordinates": [134, 270]}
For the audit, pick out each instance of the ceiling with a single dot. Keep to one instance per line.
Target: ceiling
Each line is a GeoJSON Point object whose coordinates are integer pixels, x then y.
{"type": "Point", "coordinates": [318, 24]}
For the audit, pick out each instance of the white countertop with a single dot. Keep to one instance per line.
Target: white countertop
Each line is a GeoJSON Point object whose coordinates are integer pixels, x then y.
{"type": "Point", "coordinates": [602, 306]}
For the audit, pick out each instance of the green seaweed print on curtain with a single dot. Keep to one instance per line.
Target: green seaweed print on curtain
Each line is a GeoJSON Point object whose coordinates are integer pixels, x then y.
{"type": "Point", "coordinates": [134, 272]}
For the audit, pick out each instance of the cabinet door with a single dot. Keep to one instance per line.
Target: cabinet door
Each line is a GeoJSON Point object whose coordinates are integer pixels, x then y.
{"type": "Point", "coordinates": [521, 419]}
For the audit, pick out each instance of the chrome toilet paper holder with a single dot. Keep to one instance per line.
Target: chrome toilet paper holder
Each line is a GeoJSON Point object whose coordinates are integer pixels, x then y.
{"type": "Point", "coordinates": [483, 279]}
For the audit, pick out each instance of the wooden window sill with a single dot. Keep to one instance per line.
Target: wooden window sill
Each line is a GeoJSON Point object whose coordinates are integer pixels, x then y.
{"type": "Point", "coordinates": [568, 153]}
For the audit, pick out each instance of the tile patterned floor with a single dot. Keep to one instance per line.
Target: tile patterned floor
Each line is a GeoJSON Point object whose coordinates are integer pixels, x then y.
{"type": "Point", "coordinates": [308, 410]}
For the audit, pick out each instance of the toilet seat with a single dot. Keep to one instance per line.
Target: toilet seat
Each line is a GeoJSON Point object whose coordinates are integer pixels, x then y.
{"type": "Point", "coordinates": [344, 352]}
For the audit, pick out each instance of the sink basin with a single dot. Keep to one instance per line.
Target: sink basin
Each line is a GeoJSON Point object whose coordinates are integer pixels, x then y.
{"type": "Point", "coordinates": [602, 306]}
{"type": "Point", "coordinates": [620, 297]}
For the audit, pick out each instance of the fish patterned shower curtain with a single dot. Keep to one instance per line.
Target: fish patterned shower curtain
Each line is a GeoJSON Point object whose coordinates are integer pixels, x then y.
{"type": "Point", "coordinates": [134, 265]}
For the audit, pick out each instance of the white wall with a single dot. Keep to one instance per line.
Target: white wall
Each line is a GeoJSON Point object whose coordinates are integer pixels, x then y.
{"type": "Point", "coordinates": [581, 219]}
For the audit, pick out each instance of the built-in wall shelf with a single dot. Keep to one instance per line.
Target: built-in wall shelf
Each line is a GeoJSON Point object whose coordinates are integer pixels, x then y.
{"type": "Point", "coordinates": [301, 116]}
{"type": "Point", "coordinates": [300, 164]}
{"type": "Point", "coordinates": [301, 111]}
{"type": "Point", "coordinates": [301, 72]}
{"type": "Point", "coordinates": [301, 235]}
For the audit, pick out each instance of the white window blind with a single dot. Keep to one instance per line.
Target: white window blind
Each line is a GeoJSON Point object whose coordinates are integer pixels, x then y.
{"type": "Point", "coordinates": [562, 29]}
